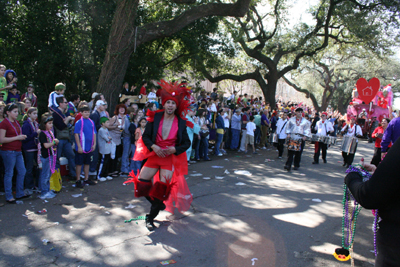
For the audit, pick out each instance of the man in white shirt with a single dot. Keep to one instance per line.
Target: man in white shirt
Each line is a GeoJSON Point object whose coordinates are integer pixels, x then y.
{"type": "Point", "coordinates": [226, 140]}
{"type": "Point", "coordinates": [297, 129]}
{"type": "Point", "coordinates": [281, 132]}
{"type": "Point", "coordinates": [323, 127]}
{"type": "Point", "coordinates": [353, 130]}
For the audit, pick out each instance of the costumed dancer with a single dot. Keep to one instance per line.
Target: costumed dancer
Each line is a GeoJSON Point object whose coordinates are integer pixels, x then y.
{"type": "Point", "coordinates": [298, 128]}
{"type": "Point", "coordinates": [324, 128]}
{"type": "Point", "coordinates": [164, 144]}
{"type": "Point", "coordinates": [354, 130]}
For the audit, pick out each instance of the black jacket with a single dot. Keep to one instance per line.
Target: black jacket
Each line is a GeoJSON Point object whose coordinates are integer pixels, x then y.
{"type": "Point", "coordinates": [150, 134]}
{"type": "Point", "coordinates": [382, 192]}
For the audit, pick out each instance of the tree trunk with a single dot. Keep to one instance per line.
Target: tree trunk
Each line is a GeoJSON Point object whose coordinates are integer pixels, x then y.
{"type": "Point", "coordinates": [269, 89]}
{"type": "Point", "coordinates": [119, 50]}
{"type": "Point", "coordinates": [124, 36]}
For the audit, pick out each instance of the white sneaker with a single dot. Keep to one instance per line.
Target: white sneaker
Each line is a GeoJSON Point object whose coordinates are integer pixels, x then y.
{"type": "Point", "coordinates": [93, 173]}
{"type": "Point", "coordinates": [264, 147]}
{"type": "Point", "coordinates": [109, 178]}
{"type": "Point", "coordinates": [48, 195]}
{"type": "Point", "coordinates": [220, 155]}
{"type": "Point", "coordinates": [102, 179]}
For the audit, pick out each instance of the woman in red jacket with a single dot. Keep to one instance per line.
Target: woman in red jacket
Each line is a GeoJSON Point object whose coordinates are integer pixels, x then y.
{"type": "Point", "coordinates": [378, 134]}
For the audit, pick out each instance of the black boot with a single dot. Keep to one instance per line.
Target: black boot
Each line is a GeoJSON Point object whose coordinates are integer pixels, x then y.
{"type": "Point", "coordinates": [156, 206]}
{"type": "Point", "coordinates": [150, 223]}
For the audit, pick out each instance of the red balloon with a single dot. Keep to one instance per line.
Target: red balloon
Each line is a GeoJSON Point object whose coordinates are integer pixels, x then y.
{"type": "Point", "coordinates": [367, 90]}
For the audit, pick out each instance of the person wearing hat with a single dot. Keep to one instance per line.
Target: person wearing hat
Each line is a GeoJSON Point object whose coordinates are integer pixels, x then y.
{"type": "Point", "coordinates": [92, 102]}
{"type": "Point", "coordinates": [59, 91]}
{"type": "Point", "coordinates": [30, 95]}
{"type": "Point", "coordinates": [298, 128]}
{"type": "Point", "coordinates": [324, 128]}
{"type": "Point", "coordinates": [95, 116]}
{"type": "Point", "coordinates": [164, 144]}
{"type": "Point", "coordinates": [354, 130]}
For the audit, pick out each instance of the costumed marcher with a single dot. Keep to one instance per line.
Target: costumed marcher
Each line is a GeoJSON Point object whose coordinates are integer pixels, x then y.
{"type": "Point", "coordinates": [164, 144]}
{"type": "Point", "coordinates": [381, 192]}
{"type": "Point", "coordinates": [324, 128]}
{"type": "Point", "coordinates": [297, 129]}
{"type": "Point", "coordinates": [281, 131]}
{"type": "Point", "coordinates": [191, 131]}
{"type": "Point", "coordinates": [354, 130]}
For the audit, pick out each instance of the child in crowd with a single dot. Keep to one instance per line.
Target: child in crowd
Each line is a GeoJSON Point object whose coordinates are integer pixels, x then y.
{"type": "Point", "coordinates": [3, 84]}
{"type": "Point", "coordinates": [13, 96]}
{"type": "Point", "coordinates": [10, 138]}
{"type": "Point", "coordinates": [105, 146]}
{"type": "Point", "coordinates": [30, 128]}
{"type": "Point", "coordinates": [30, 95]}
{"type": "Point", "coordinates": [59, 91]}
{"type": "Point", "coordinates": [250, 129]}
{"type": "Point", "coordinates": [21, 112]}
{"type": "Point", "coordinates": [136, 165]}
{"type": "Point", "coordinates": [78, 115]}
{"type": "Point", "coordinates": [11, 78]}
{"type": "Point", "coordinates": [132, 131]}
{"type": "Point", "coordinates": [85, 143]}
{"type": "Point", "coordinates": [48, 156]}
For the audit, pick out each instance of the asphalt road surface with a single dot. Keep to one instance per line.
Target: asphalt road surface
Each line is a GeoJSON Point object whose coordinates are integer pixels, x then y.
{"type": "Point", "coordinates": [268, 218]}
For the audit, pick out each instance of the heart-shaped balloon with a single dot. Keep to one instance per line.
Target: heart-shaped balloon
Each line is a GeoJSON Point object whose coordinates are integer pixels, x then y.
{"type": "Point", "coordinates": [367, 90]}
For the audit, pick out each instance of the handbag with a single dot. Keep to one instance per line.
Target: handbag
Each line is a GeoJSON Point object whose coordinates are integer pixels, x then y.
{"type": "Point", "coordinates": [275, 136]}
{"type": "Point", "coordinates": [64, 134]}
{"type": "Point", "coordinates": [55, 181]}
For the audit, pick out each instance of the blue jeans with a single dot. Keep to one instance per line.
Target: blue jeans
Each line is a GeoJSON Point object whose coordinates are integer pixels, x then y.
{"type": "Point", "coordinates": [65, 147]}
{"type": "Point", "coordinates": [30, 162]}
{"type": "Point", "coordinates": [235, 138]}
{"type": "Point", "coordinates": [197, 147]}
{"type": "Point", "coordinates": [218, 143]}
{"type": "Point", "coordinates": [203, 151]}
{"type": "Point", "coordinates": [45, 175]}
{"type": "Point", "coordinates": [134, 165]}
{"type": "Point", "coordinates": [13, 159]}
{"type": "Point", "coordinates": [257, 135]}
{"type": "Point", "coordinates": [93, 164]}
{"type": "Point", "coordinates": [126, 146]}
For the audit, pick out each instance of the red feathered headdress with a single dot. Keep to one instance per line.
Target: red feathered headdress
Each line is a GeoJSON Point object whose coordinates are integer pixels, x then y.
{"type": "Point", "coordinates": [176, 92]}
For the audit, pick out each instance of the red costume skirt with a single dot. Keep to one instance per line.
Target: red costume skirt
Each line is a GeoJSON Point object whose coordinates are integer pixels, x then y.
{"type": "Point", "coordinates": [180, 196]}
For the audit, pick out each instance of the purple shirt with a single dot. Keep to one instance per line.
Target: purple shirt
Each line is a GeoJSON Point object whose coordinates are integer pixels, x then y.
{"type": "Point", "coordinates": [264, 118]}
{"type": "Point", "coordinates": [391, 134]}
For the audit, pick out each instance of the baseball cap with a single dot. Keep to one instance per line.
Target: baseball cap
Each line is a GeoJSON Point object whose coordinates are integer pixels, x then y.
{"type": "Point", "coordinates": [94, 95]}
{"type": "Point", "coordinates": [100, 103]}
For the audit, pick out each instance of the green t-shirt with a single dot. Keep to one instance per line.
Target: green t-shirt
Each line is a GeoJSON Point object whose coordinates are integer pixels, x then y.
{"type": "Point", "coordinates": [3, 83]}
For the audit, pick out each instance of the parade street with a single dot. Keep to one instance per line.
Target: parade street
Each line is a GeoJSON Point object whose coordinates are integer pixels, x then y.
{"type": "Point", "coordinates": [259, 216]}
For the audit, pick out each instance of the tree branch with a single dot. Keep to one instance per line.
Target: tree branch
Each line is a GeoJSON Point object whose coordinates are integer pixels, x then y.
{"type": "Point", "coordinates": [304, 91]}
{"type": "Point", "coordinates": [152, 31]}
